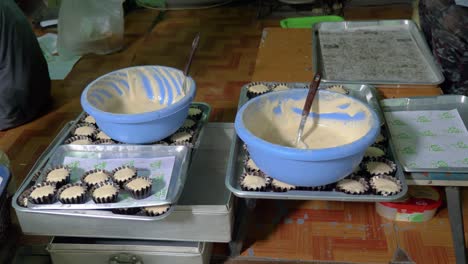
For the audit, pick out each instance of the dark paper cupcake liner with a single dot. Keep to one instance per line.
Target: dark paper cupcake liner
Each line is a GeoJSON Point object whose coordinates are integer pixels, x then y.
{"type": "Point", "coordinates": [366, 158]}
{"type": "Point", "coordinates": [276, 188]}
{"type": "Point", "coordinates": [390, 163]}
{"type": "Point", "coordinates": [24, 197]}
{"type": "Point", "coordinates": [87, 173]}
{"type": "Point", "coordinates": [73, 200]}
{"type": "Point", "coordinates": [255, 189]}
{"type": "Point", "coordinates": [35, 177]}
{"type": "Point", "coordinates": [195, 117]}
{"type": "Point", "coordinates": [172, 140]}
{"type": "Point", "coordinates": [109, 199]}
{"type": "Point", "coordinates": [142, 193]}
{"type": "Point", "coordinates": [75, 138]}
{"type": "Point", "coordinates": [95, 135]}
{"type": "Point", "coordinates": [251, 170]}
{"type": "Point", "coordinates": [187, 127]}
{"type": "Point", "coordinates": [126, 211]}
{"type": "Point", "coordinates": [360, 180]}
{"type": "Point", "coordinates": [382, 192]}
{"type": "Point", "coordinates": [47, 199]}
{"type": "Point", "coordinates": [105, 142]}
{"type": "Point", "coordinates": [83, 120]}
{"type": "Point", "coordinates": [61, 183]}
{"type": "Point", "coordinates": [274, 86]}
{"type": "Point", "coordinates": [150, 213]}
{"type": "Point", "coordinates": [382, 142]}
{"type": "Point", "coordinates": [251, 94]}
{"type": "Point", "coordinates": [331, 87]}
{"type": "Point", "coordinates": [83, 125]}
{"type": "Point", "coordinates": [122, 182]}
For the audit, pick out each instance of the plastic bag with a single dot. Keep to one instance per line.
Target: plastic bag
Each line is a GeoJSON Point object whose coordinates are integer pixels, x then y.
{"type": "Point", "coordinates": [90, 26]}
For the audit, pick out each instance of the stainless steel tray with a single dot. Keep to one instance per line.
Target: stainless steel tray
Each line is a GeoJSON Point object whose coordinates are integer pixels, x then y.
{"type": "Point", "coordinates": [374, 52]}
{"type": "Point", "coordinates": [442, 102]}
{"type": "Point", "coordinates": [204, 211]}
{"type": "Point", "coordinates": [126, 152]}
{"type": "Point", "coordinates": [66, 133]}
{"type": "Point", "coordinates": [364, 93]}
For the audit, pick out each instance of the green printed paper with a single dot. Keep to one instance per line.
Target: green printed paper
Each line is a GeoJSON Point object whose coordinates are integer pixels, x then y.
{"type": "Point", "coordinates": [429, 139]}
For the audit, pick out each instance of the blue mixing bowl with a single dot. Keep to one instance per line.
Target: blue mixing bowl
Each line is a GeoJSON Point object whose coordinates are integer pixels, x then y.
{"type": "Point", "coordinates": [105, 97]}
{"type": "Point", "coordinates": [258, 120]}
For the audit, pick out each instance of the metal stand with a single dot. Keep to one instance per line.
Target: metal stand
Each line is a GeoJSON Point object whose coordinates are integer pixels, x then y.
{"type": "Point", "coordinates": [242, 217]}
{"type": "Point", "coordinates": [456, 222]}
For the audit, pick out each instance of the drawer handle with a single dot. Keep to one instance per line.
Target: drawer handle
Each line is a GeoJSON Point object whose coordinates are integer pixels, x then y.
{"type": "Point", "coordinates": [125, 258]}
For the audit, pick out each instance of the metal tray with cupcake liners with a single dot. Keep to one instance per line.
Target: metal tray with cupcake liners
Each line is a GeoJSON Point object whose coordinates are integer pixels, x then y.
{"type": "Point", "coordinates": [101, 153]}
{"type": "Point", "coordinates": [34, 176]}
{"type": "Point", "coordinates": [204, 211]}
{"type": "Point", "coordinates": [365, 93]}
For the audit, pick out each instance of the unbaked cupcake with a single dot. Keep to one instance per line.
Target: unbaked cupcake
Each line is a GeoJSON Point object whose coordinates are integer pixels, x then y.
{"type": "Point", "coordinates": [195, 113]}
{"type": "Point", "coordinates": [72, 194]}
{"type": "Point", "coordinates": [385, 185]}
{"type": "Point", "coordinates": [42, 193]}
{"type": "Point", "coordinates": [122, 174]}
{"type": "Point", "coordinates": [251, 167]}
{"type": "Point", "coordinates": [59, 176]}
{"type": "Point", "coordinates": [337, 89]}
{"type": "Point", "coordinates": [156, 210]}
{"type": "Point", "coordinates": [86, 130]}
{"type": "Point", "coordinates": [139, 187]}
{"type": "Point", "coordinates": [279, 186]}
{"type": "Point", "coordinates": [188, 124]}
{"type": "Point", "coordinates": [105, 192]}
{"type": "Point", "coordinates": [181, 137]}
{"type": "Point", "coordinates": [126, 211]}
{"type": "Point", "coordinates": [99, 134]}
{"type": "Point", "coordinates": [162, 143]}
{"type": "Point", "coordinates": [381, 139]}
{"type": "Point", "coordinates": [353, 186]}
{"type": "Point", "coordinates": [280, 87]}
{"type": "Point", "coordinates": [256, 89]}
{"type": "Point", "coordinates": [252, 182]}
{"type": "Point", "coordinates": [23, 197]}
{"type": "Point", "coordinates": [79, 140]}
{"type": "Point", "coordinates": [374, 153]}
{"type": "Point", "coordinates": [93, 177]}
{"type": "Point", "coordinates": [380, 167]}
{"type": "Point", "coordinates": [89, 120]}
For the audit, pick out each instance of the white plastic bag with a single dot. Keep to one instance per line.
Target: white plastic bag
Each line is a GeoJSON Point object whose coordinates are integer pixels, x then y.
{"type": "Point", "coordinates": [90, 26]}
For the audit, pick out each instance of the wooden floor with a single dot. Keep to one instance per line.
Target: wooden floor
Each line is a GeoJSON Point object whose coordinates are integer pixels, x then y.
{"type": "Point", "coordinates": [325, 231]}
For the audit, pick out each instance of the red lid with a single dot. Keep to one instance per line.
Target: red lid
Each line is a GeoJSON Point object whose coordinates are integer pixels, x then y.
{"type": "Point", "coordinates": [420, 198]}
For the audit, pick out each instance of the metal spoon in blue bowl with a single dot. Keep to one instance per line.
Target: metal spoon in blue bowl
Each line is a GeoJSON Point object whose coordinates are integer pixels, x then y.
{"type": "Point", "coordinates": [313, 87]}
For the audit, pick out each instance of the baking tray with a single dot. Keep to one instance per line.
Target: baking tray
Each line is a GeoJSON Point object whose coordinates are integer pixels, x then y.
{"type": "Point", "coordinates": [442, 102]}
{"type": "Point", "coordinates": [364, 93]}
{"type": "Point", "coordinates": [181, 156]}
{"type": "Point", "coordinates": [65, 133]}
{"type": "Point", "coordinates": [204, 211]}
{"type": "Point", "coordinates": [374, 52]}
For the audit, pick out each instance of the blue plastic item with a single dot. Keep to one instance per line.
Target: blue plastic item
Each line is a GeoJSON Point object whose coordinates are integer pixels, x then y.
{"type": "Point", "coordinates": [144, 127]}
{"type": "Point", "coordinates": [5, 177]}
{"type": "Point", "coordinates": [302, 167]}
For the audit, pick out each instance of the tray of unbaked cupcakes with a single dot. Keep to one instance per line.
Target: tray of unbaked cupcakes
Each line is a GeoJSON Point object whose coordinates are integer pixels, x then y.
{"type": "Point", "coordinates": [82, 137]}
{"type": "Point", "coordinates": [378, 177]}
{"type": "Point", "coordinates": [110, 176]}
